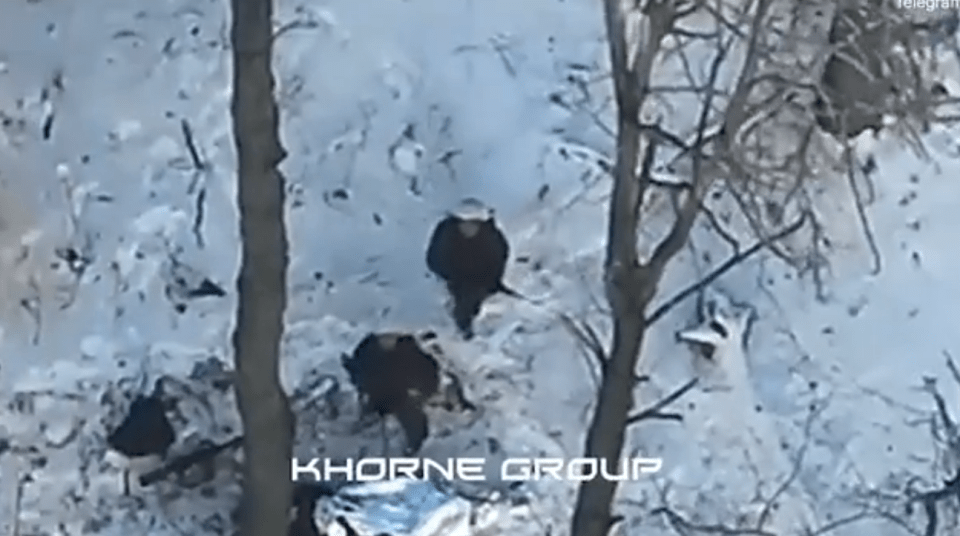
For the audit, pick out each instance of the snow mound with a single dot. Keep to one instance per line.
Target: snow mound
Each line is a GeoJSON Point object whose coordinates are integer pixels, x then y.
{"type": "Point", "coordinates": [749, 441]}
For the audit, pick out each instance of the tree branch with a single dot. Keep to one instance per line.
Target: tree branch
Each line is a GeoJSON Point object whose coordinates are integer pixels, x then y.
{"type": "Point", "coordinates": [587, 336]}
{"type": "Point", "coordinates": [631, 87]}
{"type": "Point", "coordinates": [685, 526]}
{"type": "Point", "coordinates": [929, 500]}
{"type": "Point", "coordinates": [735, 116]}
{"type": "Point", "coordinates": [626, 291]}
{"type": "Point", "coordinates": [728, 265]}
{"type": "Point", "coordinates": [680, 230]}
{"type": "Point", "coordinates": [198, 163]}
{"type": "Point", "coordinates": [862, 210]}
{"type": "Point", "coordinates": [654, 411]}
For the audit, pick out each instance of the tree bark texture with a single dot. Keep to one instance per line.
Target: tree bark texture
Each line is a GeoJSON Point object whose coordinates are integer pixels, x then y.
{"type": "Point", "coordinates": [630, 287]}
{"type": "Point", "coordinates": [628, 294]}
{"type": "Point", "coordinates": [262, 281]}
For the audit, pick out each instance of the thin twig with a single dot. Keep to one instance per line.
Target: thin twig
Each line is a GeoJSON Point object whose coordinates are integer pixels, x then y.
{"type": "Point", "coordinates": [198, 217]}
{"type": "Point", "coordinates": [795, 470]}
{"type": "Point", "coordinates": [198, 163]}
{"type": "Point", "coordinates": [949, 426]}
{"type": "Point", "coordinates": [680, 231]}
{"type": "Point", "coordinates": [500, 49]}
{"type": "Point", "coordinates": [834, 525]}
{"type": "Point", "coordinates": [680, 523]}
{"type": "Point", "coordinates": [714, 222]}
{"type": "Point", "coordinates": [929, 499]}
{"type": "Point", "coordinates": [663, 136]}
{"type": "Point", "coordinates": [724, 268]}
{"type": "Point", "coordinates": [587, 336]}
{"type": "Point", "coordinates": [654, 412]}
{"type": "Point", "coordinates": [862, 212]}
{"type": "Point", "coordinates": [951, 487]}
{"type": "Point", "coordinates": [952, 366]}
{"type": "Point", "coordinates": [295, 25]}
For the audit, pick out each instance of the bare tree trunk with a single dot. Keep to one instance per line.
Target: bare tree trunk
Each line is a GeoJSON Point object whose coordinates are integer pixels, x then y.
{"type": "Point", "coordinates": [630, 286]}
{"type": "Point", "coordinates": [262, 284]}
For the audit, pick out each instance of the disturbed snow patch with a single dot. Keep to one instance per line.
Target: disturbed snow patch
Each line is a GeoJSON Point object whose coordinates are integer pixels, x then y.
{"type": "Point", "coordinates": [751, 441]}
{"type": "Point", "coordinates": [67, 474]}
{"type": "Point", "coordinates": [327, 415]}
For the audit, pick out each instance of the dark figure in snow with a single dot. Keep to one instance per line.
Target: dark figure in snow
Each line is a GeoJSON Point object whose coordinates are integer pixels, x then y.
{"type": "Point", "coordinates": [145, 435]}
{"type": "Point", "coordinates": [394, 376]}
{"type": "Point", "coordinates": [469, 253]}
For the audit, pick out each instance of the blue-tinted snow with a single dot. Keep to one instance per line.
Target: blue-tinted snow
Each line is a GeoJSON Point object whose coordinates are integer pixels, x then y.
{"type": "Point", "coordinates": [471, 85]}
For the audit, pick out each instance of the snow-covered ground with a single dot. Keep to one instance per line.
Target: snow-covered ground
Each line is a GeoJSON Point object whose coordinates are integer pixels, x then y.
{"type": "Point", "coordinates": [390, 116]}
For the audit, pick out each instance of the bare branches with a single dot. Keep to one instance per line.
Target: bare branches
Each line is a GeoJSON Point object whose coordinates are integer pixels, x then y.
{"type": "Point", "coordinates": [631, 78]}
{"type": "Point", "coordinates": [631, 285]}
{"type": "Point", "coordinates": [951, 487]}
{"type": "Point", "coordinates": [861, 210]}
{"type": "Point", "coordinates": [677, 236]}
{"type": "Point", "coordinates": [587, 337]}
{"type": "Point", "coordinates": [954, 371]}
{"type": "Point", "coordinates": [198, 163]}
{"type": "Point", "coordinates": [768, 506]}
{"type": "Point", "coordinates": [656, 411]}
{"type": "Point", "coordinates": [950, 427]}
{"type": "Point", "coordinates": [929, 500]}
{"type": "Point", "coordinates": [764, 146]}
{"type": "Point", "coordinates": [685, 527]}
{"type": "Point", "coordinates": [628, 287]}
{"type": "Point", "coordinates": [735, 111]}
{"type": "Point", "coordinates": [200, 167]}
{"type": "Point", "coordinates": [656, 132]}
{"type": "Point", "coordinates": [728, 265]}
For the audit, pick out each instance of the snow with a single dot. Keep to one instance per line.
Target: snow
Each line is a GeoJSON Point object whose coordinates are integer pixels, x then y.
{"type": "Point", "coordinates": [389, 120]}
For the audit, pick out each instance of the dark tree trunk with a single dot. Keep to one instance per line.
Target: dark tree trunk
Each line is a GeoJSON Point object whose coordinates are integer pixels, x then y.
{"type": "Point", "coordinates": [262, 282]}
{"type": "Point", "coordinates": [592, 516]}
{"type": "Point", "coordinates": [628, 293]}
{"type": "Point", "coordinates": [630, 286]}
